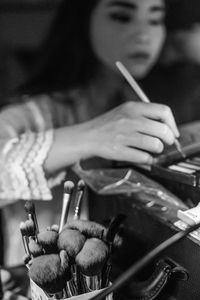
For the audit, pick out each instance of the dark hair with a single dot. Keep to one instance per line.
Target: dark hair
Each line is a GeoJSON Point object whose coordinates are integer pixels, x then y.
{"type": "Point", "coordinates": [67, 59]}
{"type": "Point", "coordinates": [182, 14]}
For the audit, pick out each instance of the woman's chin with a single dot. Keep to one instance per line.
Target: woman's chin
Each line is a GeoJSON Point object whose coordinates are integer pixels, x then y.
{"type": "Point", "coordinates": [140, 74]}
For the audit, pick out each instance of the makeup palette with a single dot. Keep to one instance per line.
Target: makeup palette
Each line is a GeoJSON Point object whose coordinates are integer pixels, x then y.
{"type": "Point", "coordinates": [184, 170]}
{"type": "Point", "coordinates": [171, 165]}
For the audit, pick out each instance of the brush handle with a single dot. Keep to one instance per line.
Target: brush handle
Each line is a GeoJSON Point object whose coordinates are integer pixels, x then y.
{"type": "Point", "coordinates": [93, 283]}
{"type": "Point", "coordinates": [65, 210]}
{"type": "Point", "coordinates": [78, 205]}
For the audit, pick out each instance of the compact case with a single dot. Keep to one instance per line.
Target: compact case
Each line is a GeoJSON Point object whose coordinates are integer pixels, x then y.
{"type": "Point", "coordinates": [181, 174]}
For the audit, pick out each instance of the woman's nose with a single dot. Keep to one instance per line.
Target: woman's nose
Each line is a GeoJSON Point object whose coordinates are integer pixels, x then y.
{"type": "Point", "coordinates": [141, 35]}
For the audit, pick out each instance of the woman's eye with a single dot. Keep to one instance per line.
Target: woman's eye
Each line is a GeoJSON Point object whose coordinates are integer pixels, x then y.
{"type": "Point", "coordinates": [119, 17]}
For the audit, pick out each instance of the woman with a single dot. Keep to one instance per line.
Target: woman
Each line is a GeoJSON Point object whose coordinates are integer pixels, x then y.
{"type": "Point", "coordinates": [80, 107]}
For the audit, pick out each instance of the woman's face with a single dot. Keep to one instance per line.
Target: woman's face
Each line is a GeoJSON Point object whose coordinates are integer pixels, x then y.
{"type": "Point", "coordinates": [131, 31]}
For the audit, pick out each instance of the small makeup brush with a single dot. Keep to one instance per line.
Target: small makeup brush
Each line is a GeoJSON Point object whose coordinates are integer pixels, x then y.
{"type": "Point", "coordinates": [23, 231]}
{"type": "Point", "coordinates": [68, 189]}
{"type": "Point", "coordinates": [30, 228]}
{"type": "Point", "coordinates": [48, 240]}
{"type": "Point", "coordinates": [142, 96]}
{"type": "Point", "coordinates": [35, 248]}
{"type": "Point", "coordinates": [30, 210]}
{"type": "Point", "coordinates": [78, 198]}
{"type": "Point", "coordinates": [46, 271]}
{"type": "Point", "coordinates": [71, 241]}
{"type": "Point", "coordinates": [88, 228]}
{"type": "Point", "coordinates": [91, 260]}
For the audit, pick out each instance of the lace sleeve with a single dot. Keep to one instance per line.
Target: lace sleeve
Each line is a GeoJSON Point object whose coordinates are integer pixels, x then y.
{"type": "Point", "coordinates": [21, 162]}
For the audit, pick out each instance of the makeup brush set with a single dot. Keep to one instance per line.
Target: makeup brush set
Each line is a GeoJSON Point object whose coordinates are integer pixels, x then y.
{"type": "Point", "coordinates": [72, 258]}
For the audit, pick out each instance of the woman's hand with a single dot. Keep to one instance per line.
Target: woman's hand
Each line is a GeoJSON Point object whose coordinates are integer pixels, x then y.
{"type": "Point", "coordinates": [132, 132]}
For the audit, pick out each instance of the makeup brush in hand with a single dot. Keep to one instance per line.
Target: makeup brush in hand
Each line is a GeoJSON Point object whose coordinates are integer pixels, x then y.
{"type": "Point", "coordinates": [139, 92]}
{"type": "Point", "coordinates": [67, 196]}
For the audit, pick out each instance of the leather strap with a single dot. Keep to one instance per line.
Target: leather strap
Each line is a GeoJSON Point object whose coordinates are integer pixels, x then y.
{"type": "Point", "coordinates": [165, 269]}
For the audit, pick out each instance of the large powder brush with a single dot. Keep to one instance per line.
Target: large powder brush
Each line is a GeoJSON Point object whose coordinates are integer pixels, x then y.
{"type": "Point", "coordinates": [88, 228]}
{"type": "Point", "coordinates": [50, 272]}
{"type": "Point", "coordinates": [92, 257]}
{"type": "Point", "coordinates": [71, 241]}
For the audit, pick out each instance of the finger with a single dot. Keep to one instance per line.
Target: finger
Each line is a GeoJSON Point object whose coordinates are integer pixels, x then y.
{"type": "Point", "coordinates": [142, 142]}
{"type": "Point", "coordinates": [129, 128]}
{"type": "Point", "coordinates": [164, 114]}
{"type": "Point", "coordinates": [133, 155]}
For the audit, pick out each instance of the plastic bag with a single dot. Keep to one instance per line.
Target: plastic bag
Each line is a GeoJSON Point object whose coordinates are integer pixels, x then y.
{"type": "Point", "coordinates": [107, 181]}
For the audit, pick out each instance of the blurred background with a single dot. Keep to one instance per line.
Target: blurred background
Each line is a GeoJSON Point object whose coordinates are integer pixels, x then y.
{"type": "Point", "coordinates": [23, 27]}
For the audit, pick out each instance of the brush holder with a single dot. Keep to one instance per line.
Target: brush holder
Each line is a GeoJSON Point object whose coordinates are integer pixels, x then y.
{"type": "Point", "coordinates": [38, 294]}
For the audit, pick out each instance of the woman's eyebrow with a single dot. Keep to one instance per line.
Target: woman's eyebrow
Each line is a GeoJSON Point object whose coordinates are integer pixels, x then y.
{"type": "Point", "coordinates": [130, 5]}
{"type": "Point", "coordinates": [122, 3]}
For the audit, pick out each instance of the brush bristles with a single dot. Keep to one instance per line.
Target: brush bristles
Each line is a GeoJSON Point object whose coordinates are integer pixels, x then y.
{"type": "Point", "coordinates": [26, 259]}
{"type": "Point", "coordinates": [88, 228]}
{"type": "Point", "coordinates": [30, 227]}
{"type": "Point", "coordinates": [29, 207]}
{"type": "Point", "coordinates": [55, 228]}
{"type": "Point", "coordinates": [80, 185]}
{"type": "Point", "coordinates": [35, 248]}
{"type": "Point", "coordinates": [72, 241]}
{"type": "Point", "coordinates": [92, 257]}
{"type": "Point", "coordinates": [48, 240]}
{"type": "Point", "coordinates": [47, 273]}
{"type": "Point", "coordinates": [23, 230]}
{"type": "Point", "coordinates": [68, 187]}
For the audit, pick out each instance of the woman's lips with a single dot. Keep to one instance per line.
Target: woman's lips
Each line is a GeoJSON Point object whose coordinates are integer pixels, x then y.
{"type": "Point", "coordinates": [141, 57]}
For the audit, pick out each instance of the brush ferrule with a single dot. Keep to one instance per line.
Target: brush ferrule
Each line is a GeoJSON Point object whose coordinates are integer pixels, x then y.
{"type": "Point", "coordinates": [93, 283]}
